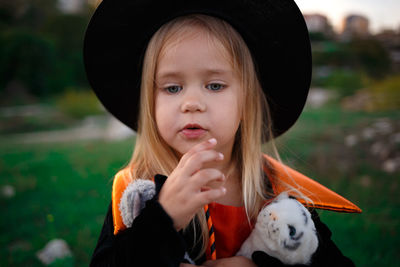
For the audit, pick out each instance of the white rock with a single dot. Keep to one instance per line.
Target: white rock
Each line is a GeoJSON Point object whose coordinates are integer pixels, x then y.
{"type": "Point", "coordinates": [376, 148]}
{"type": "Point", "coordinates": [395, 138]}
{"type": "Point", "coordinates": [368, 133]}
{"type": "Point", "coordinates": [380, 149]}
{"type": "Point", "coordinates": [55, 249]}
{"type": "Point", "coordinates": [351, 140]}
{"type": "Point", "coordinates": [318, 97]}
{"type": "Point", "coordinates": [391, 165]}
{"type": "Point", "coordinates": [7, 191]}
{"type": "Point", "coordinates": [383, 126]}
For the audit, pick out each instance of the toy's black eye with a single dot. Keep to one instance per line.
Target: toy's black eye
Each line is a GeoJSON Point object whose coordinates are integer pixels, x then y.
{"type": "Point", "coordinates": [292, 231]}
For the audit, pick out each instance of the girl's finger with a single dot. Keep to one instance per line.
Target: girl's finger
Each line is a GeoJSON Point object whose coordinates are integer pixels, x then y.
{"type": "Point", "coordinates": [208, 196]}
{"type": "Point", "coordinates": [209, 144]}
{"type": "Point", "coordinates": [207, 178]}
{"type": "Point", "coordinates": [213, 184]}
{"type": "Point", "coordinates": [195, 162]}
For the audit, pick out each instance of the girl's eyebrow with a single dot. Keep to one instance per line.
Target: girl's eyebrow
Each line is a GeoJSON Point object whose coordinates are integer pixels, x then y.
{"type": "Point", "coordinates": [167, 74]}
{"type": "Point", "coordinates": [217, 71]}
{"type": "Point", "coordinates": [177, 74]}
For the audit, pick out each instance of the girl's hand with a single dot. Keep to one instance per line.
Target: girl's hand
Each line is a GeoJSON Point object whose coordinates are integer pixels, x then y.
{"type": "Point", "coordinates": [228, 262]}
{"type": "Point", "coordinates": [190, 186]}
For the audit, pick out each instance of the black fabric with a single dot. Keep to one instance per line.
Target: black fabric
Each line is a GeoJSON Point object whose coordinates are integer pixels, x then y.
{"type": "Point", "coordinates": [274, 31]}
{"type": "Point", "coordinates": [153, 241]}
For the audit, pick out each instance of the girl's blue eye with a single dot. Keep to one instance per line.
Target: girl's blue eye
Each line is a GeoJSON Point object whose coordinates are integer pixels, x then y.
{"type": "Point", "coordinates": [215, 86]}
{"type": "Point", "coordinates": [173, 89]}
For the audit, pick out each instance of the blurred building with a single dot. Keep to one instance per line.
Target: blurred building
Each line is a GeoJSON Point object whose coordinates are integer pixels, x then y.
{"type": "Point", "coordinates": [317, 23]}
{"type": "Point", "coordinates": [355, 26]}
{"type": "Point", "coordinates": [390, 39]}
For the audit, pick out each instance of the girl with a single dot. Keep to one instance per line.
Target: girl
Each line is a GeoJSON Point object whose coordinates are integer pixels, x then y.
{"type": "Point", "coordinates": [217, 79]}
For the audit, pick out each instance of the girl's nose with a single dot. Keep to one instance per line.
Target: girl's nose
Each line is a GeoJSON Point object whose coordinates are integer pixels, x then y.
{"type": "Point", "coordinates": [192, 106]}
{"type": "Point", "coordinates": [193, 102]}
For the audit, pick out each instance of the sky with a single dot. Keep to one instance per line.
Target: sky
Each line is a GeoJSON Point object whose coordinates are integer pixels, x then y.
{"type": "Point", "coordinates": [382, 14]}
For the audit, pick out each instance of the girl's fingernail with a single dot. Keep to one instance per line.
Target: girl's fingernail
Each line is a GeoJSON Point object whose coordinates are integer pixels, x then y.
{"type": "Point", "coordinates": [220, 155]}
{"type": "Point", "coordinates": [223, 190]}
{"type": "Point", "coordinates": [212, 141]}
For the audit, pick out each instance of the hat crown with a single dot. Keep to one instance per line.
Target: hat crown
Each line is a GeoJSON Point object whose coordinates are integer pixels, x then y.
{"type": "Point", "coordinates": [274, 31]}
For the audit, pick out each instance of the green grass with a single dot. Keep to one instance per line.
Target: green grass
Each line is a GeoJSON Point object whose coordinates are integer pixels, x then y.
{"type": "Point", "coordinates": [63, 190]}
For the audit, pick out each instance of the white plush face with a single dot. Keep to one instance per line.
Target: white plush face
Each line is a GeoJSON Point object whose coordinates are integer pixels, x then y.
{"type": "Point", "coordinates": [286, 223]}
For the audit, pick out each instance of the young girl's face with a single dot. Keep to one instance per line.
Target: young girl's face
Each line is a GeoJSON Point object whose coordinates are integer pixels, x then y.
{"type": "Point", "coordinates": [197, 94]}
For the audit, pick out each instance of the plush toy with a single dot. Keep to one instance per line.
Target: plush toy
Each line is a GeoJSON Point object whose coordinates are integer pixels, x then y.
{"type": "Point", "coordinates": [284, 230]}
{"type": "Point", "coordinates": [133, 200]}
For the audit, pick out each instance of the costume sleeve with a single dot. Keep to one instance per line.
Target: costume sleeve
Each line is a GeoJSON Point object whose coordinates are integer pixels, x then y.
{"type": "Point", "coordinates": [151, 241]}
{"type": "Point", "coordinates": [327, 254]}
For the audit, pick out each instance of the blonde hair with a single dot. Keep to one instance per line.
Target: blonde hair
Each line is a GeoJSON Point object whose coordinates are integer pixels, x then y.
{"type": "Point", "coordinates": [153, 156]}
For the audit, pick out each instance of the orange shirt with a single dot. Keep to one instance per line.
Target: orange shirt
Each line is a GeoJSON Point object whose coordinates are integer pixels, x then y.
{"type": "Point", "coordinates": [228, 220]}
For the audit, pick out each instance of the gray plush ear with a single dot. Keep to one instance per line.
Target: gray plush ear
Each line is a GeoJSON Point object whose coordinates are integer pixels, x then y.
{"type": "Point", "coordinates": [136, 205]}
{"type": "Point", "coordinates": [134, 198]}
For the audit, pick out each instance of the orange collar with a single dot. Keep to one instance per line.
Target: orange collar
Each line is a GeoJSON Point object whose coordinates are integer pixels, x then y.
{"type": "Point", "coordinates": [322, 197]}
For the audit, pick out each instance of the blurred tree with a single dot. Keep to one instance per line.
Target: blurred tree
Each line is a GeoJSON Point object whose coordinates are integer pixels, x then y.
{"type": "Point", "coordinates": [329, 53]}
{"type": "Point", "coordinates": [29, 14]}
{"type": "Point", "coordinates": [370, 56]}
{"type": "Point", "coordinates": [318, 37]}
{"type": "Point", "coordinates": [365, 55]}
{"type": "Point", "coordinates": [67, 31]}
{"type": "Point", "coordinates": [28, 59]}
{"type": "Point", "coordinates": [41, 47]}
{"type": "Point", "coordinates": [385, 94]}
{"type": "Point", "coordinates": [346, 82]}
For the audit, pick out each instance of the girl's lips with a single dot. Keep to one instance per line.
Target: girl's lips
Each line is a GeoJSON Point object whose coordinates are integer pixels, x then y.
{"type": "Point", "coordinates": [193, 131]}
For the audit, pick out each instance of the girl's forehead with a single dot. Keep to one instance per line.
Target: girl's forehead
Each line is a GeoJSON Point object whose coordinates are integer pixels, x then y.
{"type": "Point", "coordinates": [198, 35]}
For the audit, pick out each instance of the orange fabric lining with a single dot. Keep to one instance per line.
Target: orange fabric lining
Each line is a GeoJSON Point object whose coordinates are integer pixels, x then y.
{"type": "Point", "coordinates": [121, 181]}
{"type": "Point", "coordinates": [322, 197]}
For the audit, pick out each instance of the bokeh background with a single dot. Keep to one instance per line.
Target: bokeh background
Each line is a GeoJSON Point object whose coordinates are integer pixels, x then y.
{"type": "Point", "coordinates": [59, 149]}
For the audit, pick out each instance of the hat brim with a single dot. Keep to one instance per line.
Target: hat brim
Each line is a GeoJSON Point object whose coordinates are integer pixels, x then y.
{"type": "Point", "coordinates": [274, 31]}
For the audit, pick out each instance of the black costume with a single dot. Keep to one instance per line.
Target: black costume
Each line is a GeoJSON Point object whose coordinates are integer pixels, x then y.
{"type": "Point", "coordinates": [153, 241]}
